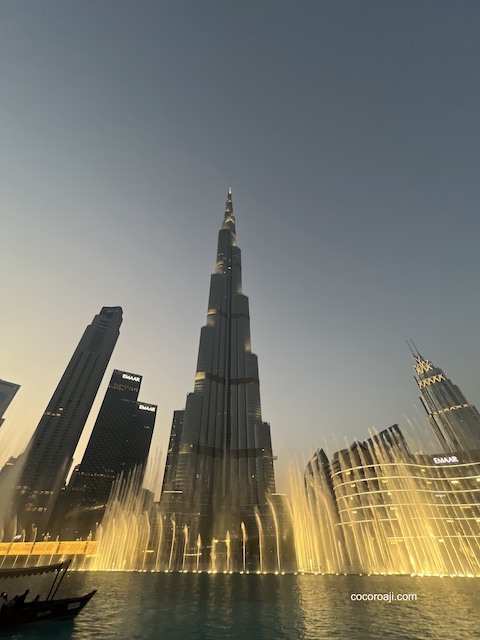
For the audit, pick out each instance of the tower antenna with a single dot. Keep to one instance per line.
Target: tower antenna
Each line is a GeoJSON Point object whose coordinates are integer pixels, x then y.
{"type": "Point", "coordinates": [409, 346]}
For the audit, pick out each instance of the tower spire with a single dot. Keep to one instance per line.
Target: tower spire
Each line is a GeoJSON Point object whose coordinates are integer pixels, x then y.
{"type": "Point", "coordinates": [415, 347]}
{"type": "Point", "coordinates": [229, 205]}
{"type": "Point", "coordinates": [410, 347]}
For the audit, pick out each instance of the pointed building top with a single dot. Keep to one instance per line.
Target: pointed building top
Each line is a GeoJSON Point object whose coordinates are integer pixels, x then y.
{"type": "Point", "coordinates": [421, 365]}
{"type": "Point", "coordinates": [410, 347]}
{"type": "Point", "coordinates": [415, 347]}
{"type": "Point", "coordinates": [229, 205]}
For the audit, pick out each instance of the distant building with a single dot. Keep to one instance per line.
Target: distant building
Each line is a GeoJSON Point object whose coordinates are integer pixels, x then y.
{"type": "Point", "coordinates": [7, 393]}
{"type": "Point", "coordinates": [456, 423]}
{"type": "Point", "coordinates": [50, 453]}
{"type": "Point", "coordinates": [120, 441]}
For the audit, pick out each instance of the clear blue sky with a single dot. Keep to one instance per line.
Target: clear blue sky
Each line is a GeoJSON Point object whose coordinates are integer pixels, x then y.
{"type": "Point", "coordinates": [349, 132]}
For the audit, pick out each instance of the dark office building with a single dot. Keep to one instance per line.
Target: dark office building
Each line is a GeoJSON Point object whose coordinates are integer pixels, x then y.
{"type": "Point", "coordinates": [456, 423]}
{"type": "Point", "coordinates": [50, 452]}
{"type": "Point", "coordinates": [120, 441]}
{"type": "Point", "coordinates": [139, 437]}
{"type": "Point", "coordinates": [169, 479]}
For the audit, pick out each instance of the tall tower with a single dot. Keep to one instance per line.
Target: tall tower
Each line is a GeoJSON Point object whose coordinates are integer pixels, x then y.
{"type": "Point", "coordinates": [220, 464]}
{"type": "Point", "coordinates": [120, 441]}
{"type": "Point", "coordinates": [455, 422]}
{"type": "Point", "coordinates": [49, 455]}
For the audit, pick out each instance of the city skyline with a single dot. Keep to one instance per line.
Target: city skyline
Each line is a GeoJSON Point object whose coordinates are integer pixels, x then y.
{"type": "Point", "coordinates": [354, 184]}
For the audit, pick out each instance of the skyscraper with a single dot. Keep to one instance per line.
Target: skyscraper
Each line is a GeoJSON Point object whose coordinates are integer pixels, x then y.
{"type": "Point", "coordinates": [119, 442]}
{"type": "Point", "coordinates": [49, 455]}
{"type": "Point", "coordinates": [220, 463]}
{"type": "Point", "coordinates": [455, 422]}
{"type": "Point", "coordinates": [7, 393]}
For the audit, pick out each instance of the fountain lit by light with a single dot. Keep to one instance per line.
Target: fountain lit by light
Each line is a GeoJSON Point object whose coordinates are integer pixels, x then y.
{"type": "Point", "coordinates": [374, 514]}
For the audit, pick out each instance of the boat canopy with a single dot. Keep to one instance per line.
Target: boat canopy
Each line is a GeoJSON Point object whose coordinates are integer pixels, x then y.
{"type": "Point", "coordinates": [18, 572]}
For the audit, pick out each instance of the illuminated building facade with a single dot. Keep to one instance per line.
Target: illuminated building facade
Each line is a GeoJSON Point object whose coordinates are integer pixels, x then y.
{"type": "Point", "coordinates": [456, 423]}
{"type": "Point", "coordinates": [395, 512]}
{"type": "Point", "coordinates": [50, 452]}
{"type": "Point", "coordinates": [7, 393]}
{"type": "Point", "coordinates": [220, 462]}
{"type": "Point", "coordinates": [120, 441]}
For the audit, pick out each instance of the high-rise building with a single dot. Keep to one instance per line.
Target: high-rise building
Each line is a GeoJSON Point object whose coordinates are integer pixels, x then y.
{"type": "Point", "coordinates": [7, 393]}
{"type": "Point", "coordinates": [375, 507]}
{"type": "Point", "coordinates": [139, 437]}
{"type": "Point", "coordinates": [171, 463]}
{"type": "Point", "coordinates": [119, 443]}
{"type": "Point", "coordinates": [220, 465]}
{"type": "Point", "coordinates": [50, 453]}
{"type": "Point", "coordinates": [456, 423]}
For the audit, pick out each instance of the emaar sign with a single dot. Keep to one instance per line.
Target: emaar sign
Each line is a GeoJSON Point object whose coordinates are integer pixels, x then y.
{"type": "Point", "coordinates": [446, 460]}
{"type": "Point", "coordinates": [127, 376]}
{"type": "Point", "coordinates": [146, 407]}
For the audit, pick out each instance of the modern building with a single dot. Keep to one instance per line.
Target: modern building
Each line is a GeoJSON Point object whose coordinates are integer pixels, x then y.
{"type": "Point", "coordinates": [171, 463]}
{"type": "Point", "coordinates": [139, 437]}
{"type": "Point", "coordinates": [396, 512]}
{"type": "Point", "coordinates": [220, 462]}
{"type": "Point", "coordinates": [120, 442]}
{"type": "Point", "coordinates": [456, 423]}
{"type": "Point", "coordinates": [7, 393]}
{"type": "Point", "coordinates": [49, 455]}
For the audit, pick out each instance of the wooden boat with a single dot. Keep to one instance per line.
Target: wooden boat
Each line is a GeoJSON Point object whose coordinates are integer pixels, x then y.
{"type": "Point", "coordinates": [39, 610]}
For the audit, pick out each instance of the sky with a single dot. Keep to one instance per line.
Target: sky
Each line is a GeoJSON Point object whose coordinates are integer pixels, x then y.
{"type": "Point", "coordinates": [349, 133]}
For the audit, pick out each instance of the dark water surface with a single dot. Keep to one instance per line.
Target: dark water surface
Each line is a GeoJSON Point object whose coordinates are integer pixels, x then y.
{"type": "Point", "coordinates": [153, 606]}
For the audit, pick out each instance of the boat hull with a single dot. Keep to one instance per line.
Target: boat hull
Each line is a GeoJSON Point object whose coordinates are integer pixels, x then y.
{"type": "Point", "coordinates": [64, 609]}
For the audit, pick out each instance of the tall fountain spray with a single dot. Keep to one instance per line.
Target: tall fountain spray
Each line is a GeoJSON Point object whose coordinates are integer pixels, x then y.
{"type": "Point", "coordinates": [260, 538]}
{"type": "Point", "coordinates": [244, 546]}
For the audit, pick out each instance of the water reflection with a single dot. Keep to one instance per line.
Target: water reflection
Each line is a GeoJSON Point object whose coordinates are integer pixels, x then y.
{"type": "Point", "coordinates": [445, 608]}
{"type": "Point", "coordinates": [149, 606]}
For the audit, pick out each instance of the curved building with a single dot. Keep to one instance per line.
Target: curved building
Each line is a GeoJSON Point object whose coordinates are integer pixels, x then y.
{"type": "Point", "coordinates": [395, 512]}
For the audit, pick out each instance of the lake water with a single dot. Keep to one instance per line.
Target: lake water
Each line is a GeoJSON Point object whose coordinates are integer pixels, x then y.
{"type": "Point", "coordinates": [153, 606]}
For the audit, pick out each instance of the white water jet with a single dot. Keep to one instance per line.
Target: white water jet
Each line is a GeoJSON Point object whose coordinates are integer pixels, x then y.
{"type": "Point", "coordinates": [185, 546]}
{"type": "Point", "coordinates": [213, 558]}
{"type": "Point", "coordinates": [260, 537]}
{"type": "Point", "coordinates": [244, 545]}
{"type": "Point", "coordinates": [277, 535]}
{"type": "Point", "coordinates": [174, 530]}
{"type": "Point", "coordinates": [199, 550]}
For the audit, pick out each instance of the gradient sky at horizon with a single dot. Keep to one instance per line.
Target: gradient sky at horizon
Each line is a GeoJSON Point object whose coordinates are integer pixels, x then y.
{"type": "Point", "coordinates": [349, 133]}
